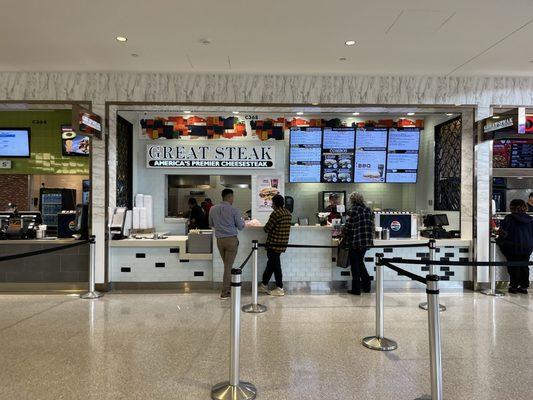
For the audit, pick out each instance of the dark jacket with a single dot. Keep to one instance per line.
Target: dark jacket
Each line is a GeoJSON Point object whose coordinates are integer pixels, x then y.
{"type": "Point", "coordinates": [198, 219]}
{"type": "Point", "coordinates": [516, 235]}
{"type": "Point", "coordinates": [358, 231]}
{"type": "Point", "coordinates": [278, 229]}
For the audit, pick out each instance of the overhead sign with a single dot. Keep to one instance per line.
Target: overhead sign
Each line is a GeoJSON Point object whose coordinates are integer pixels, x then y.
{"type": "Point", "coordinates": [84, 121]}
{"type": "Point", "coordinates": [499, 124]}
{"type": "Point", "coordinates": [176, 154]}
{"type": "Point", "coordinates": [513, 122]}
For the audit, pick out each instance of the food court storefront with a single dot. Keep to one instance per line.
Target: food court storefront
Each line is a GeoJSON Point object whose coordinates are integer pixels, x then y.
{"type": "Point", "coordinates": [177, 152]}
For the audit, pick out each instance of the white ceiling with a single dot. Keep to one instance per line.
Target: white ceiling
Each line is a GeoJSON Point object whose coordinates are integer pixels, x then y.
{"type": "Point", "coordinates": [403, 37]}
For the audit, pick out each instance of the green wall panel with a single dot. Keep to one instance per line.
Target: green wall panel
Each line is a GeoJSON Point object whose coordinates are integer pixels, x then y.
{"type": "Point", "coordinates": [46, 156]}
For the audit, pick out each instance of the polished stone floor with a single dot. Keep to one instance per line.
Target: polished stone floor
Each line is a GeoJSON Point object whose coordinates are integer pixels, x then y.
{"type": "Point", "coordinates": [175, 346]}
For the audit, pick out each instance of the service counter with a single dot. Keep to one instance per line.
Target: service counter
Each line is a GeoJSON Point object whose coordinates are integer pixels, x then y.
{"type": "Point", "coordinates": [64, 266]}
{"type": "Point", "coordinates": [166, 260]}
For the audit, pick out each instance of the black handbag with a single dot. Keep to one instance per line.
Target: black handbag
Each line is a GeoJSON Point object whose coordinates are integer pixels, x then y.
{"type": "Point", "coordinates": [343, 261]}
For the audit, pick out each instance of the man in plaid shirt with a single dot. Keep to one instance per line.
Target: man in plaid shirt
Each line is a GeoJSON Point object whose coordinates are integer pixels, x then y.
{"type": "Point", "coordinates": [278, 229]}
{"type": "Point", "coordinates": [358, 235]}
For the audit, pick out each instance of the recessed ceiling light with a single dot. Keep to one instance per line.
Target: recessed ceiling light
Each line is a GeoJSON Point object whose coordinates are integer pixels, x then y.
{"type": "Point", "coordinates": [299, 113]}
{"type": "Point", "coordinates": [496, 117]}
{"type": "Point", "coordinates": [355, 113]}
{"type": "Point", "coordinates": [187, 112]}
{"type": "Point", "coordinates": [121, 39]}
{"type": "Point", "coordinates": [315, 104]}
{"type": "Point", "coordinates": [349, 42]}
{"type": "Point", "coordinates": [342, 59]}
{"type": "Point", "coordinates": [449, 114]}
{"type": "Point", "coordinates": [410, 114]}
{"type": "Point", "coordinates": [235, 112]}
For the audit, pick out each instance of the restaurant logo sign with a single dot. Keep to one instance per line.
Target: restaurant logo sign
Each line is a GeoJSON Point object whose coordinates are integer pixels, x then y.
{"type": "Point", "coordinates": [216, 155]}
{"type": "Point", "coordinates": [497, 125]}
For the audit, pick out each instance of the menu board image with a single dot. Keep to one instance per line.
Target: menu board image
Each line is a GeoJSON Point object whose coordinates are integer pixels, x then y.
{"type": "Point", "coordinates": [305, 155]}
{"type": "Point", "coordinates": [521, 154]}
{"type": "Point", "coordinates": [402, 155]}
{"type": "Point", "coordinates": [370, 155]}
{"type": "Point", "coordinates": [338, 155]}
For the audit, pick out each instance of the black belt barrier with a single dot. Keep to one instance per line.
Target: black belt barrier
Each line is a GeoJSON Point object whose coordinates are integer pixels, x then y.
{"type": "Point", "coordinates": [460, 263]}
{"type": "Point", "coordinates": [402, 271]}
{"type": "Point", "coordinates": [43, 251]}
{"type": "Point", "coordinates": [312, 246]}
{"type": "Point", "coordinates": [246, 261]}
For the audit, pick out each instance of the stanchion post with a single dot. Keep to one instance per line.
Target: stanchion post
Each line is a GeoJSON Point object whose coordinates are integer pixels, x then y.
{"type": "Point", "coordinates": [379, 341]}
{"type": "Point", "coordinates": [433, 270]}
{"type": "Point", "coordinates": [435, 355]}
{"type": "Point", "coordinates": [234, 389]}
{"type": "Point", "coordinates": [92, 293]}
{"type": "Point", "coordinates": [254, 307]}
{"type": "Point", "coordinates": [491, 291]}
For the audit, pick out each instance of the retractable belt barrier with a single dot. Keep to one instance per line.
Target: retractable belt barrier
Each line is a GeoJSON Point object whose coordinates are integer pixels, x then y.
{"type": "Point", "coordinates": [43, 251]}
{"type": "Point", "coordinates": [234, 388]}
{"type": "Point", "coordinates": [312, 246]}
{"type": "Point", "coordinates": [460, 263]}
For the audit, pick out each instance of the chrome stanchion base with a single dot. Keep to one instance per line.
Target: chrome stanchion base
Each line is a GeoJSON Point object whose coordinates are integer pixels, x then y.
{"type": "Point", "coordinates": [91, 295]}
{"type": "Point", "coordinates": [225, 391]}
{"type": "Point", "coordinates": [377, 343]}
{"type": "Point", "coordinates": [490, 292]}
{"type": "Point", "coordinates": [254, 308]}
{"type": "Point", "coordinates": [424, 306]}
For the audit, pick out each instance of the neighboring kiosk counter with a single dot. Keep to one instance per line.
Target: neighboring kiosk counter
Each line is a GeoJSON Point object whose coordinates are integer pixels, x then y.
{"type": "Point", "coordinates": [166, 260]}
{"type": "Point", "coordinates": [63, 267]}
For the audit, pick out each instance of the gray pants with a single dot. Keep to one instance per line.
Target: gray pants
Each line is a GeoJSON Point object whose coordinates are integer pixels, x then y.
{"type": "Point", "coordinates": [228, 251]}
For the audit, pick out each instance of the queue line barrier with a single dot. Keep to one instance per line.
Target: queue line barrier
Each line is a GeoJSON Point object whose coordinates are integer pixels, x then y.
{"type": "Point", "coordinates": [92, 293]}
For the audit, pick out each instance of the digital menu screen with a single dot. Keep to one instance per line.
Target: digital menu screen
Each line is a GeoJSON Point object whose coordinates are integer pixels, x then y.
{"type": "Point", "coordinates": [305, 155]}
{"type": "Point", "coordinates": [402, 155]}
{"type": "Point", "coordinates": [338, 155]}
{"type": "Point", "coordinates": [370, 155]}
{"type": "Point", "coordinates": [14, 142]}
{"type": "Point", "coordinates": [521, 154]}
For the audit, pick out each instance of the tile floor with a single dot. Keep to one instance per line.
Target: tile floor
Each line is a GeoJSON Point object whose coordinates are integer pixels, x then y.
{"type": "Point", "coordinates": [306, 347]}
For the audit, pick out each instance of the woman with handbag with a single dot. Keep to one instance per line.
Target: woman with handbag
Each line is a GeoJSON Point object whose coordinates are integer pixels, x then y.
{"type": "Point", "coordinates": [358, 237]}
{"type": "Point", "coordinates": [515, 240]}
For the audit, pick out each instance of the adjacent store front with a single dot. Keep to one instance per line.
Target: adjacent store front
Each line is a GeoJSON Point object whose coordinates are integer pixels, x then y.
{"type": "Point", "coordinates": [45, 196]}
{"type": "Point", "coordinates": [160, 156]}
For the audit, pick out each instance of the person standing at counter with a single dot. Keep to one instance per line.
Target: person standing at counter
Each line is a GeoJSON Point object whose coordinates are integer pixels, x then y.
{"type": "Point", "coordinates": [358, 237]}
{"type": "Point", "coordinates": [197, 218]}
{"type": "Point", "coordinates": [226, 220]}
{"type": "Point", "coordinates": [278, 229]}
{"type": "Point", "coordinates": [530, 203]}
{"type": "Point", "coordinates": [516, 243]}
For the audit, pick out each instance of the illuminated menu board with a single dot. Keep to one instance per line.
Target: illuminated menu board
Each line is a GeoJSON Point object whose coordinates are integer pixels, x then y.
{"type": "Point", "coordinates": [521, 154]}
{"type": "Point", "coordinates": [370, 155]}
{"type": "Point", "coordinates": [338, 155]}
{"type": "Point", "coordinates": [402, 155]}
{"type": "Point", "coordinates": [305, 155]}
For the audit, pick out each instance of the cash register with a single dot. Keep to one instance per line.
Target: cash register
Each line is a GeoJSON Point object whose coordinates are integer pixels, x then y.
{"type": "Point", "coordinates": [434, 224]}
{"type": "Point", "coordinates": [20, 225]}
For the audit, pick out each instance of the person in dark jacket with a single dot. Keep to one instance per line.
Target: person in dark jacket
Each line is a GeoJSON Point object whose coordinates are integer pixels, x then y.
{"type": "Point", "coordinates": [278, 229]}
{"type": "Point", "coordinates": [515, 240]}
{"type": "Point", "coordinates": [358, 235]}
{"type": "Point", "coordinates": [530, 203]}
{"type": "Point", "coordinates": [197, 217]}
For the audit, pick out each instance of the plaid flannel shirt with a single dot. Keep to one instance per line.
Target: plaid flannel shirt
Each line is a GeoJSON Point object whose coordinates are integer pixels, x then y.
{"type": "Point", "coordinates": [278, 229]}
{"type": "Point", "coordinates": [359, 228]}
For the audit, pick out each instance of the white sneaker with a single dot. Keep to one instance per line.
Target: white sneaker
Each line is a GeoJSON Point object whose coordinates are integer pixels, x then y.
{"type": "Point", "coordinates": [277, 292]}
{"type": "Point", "coordinates": [263, 289]}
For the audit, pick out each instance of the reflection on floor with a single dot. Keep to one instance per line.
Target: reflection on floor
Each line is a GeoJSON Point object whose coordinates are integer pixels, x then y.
{"type": "Point", "coordinates": [175, 346]}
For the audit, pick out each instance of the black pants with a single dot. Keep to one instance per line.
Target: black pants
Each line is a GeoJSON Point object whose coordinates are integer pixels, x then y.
{"type": "Point", "coordinates": [519, 275]}
{"type": "Point", "coordinates": [359, 272]}
{"type": "Point", "coordinates": [273, 267]}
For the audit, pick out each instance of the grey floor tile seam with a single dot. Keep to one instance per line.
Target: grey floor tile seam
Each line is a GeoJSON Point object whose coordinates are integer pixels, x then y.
{"type": "Point", "coordinates": [33, 315]}
{"type": "Point", "coordinates": [517, 305]}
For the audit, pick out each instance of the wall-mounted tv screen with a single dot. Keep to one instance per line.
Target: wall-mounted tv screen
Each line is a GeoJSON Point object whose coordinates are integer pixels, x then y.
{"type": "Point", "coordinates": [402, 155]}
{"type": "Point", "coordinates": [338, 147]}
{"type": "Point", "coordinates": [74, 144]}
{"type": "Point", "coordinates": [370, 155]}
{"type": "Point", "coordinates": [305, 155]}
{"type": "Point", "coordinates": [15, 142]}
